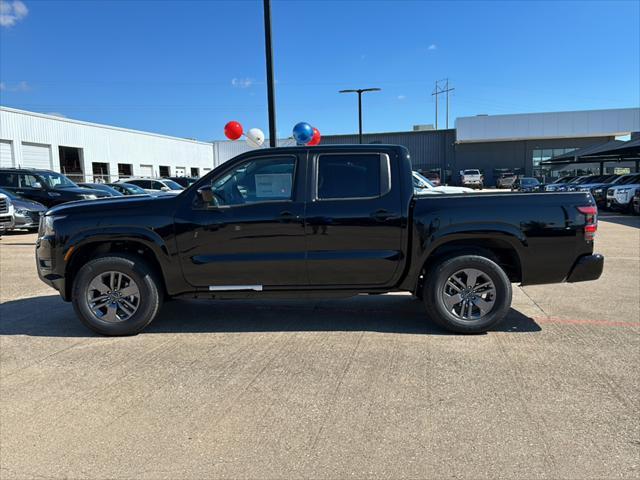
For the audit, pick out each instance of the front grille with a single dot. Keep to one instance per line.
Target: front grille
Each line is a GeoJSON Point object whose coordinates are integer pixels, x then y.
{"type": "Point", "coordinates": [4, 206]}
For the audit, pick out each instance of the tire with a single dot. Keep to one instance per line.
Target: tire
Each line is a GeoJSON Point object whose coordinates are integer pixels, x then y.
{"type": "Point", "coordinates": [436, 289]}
{"type": "Point", "coordinates": [124, 315]}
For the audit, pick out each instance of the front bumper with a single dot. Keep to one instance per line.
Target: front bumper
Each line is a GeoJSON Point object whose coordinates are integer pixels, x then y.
{"type": "Point", "coordinates": [31, 220]}
{"type": "Point", "coordinates": [48, 265]}
{"type": "Point", "coordinates": [586, 268]}
{"type": "Point", "coordinates": [6, 222]}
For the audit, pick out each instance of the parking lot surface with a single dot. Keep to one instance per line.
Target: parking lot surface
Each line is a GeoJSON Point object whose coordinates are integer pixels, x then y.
{"type": "Point", "coordinates": [358, 388]}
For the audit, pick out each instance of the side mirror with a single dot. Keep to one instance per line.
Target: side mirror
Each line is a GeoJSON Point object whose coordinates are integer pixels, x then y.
{"type": "Point", "coordinates": [164, 189]}
{"type": "Point", "coordinates": [36, 185]}
{"type": "Point", "coordinates": [207, 196]}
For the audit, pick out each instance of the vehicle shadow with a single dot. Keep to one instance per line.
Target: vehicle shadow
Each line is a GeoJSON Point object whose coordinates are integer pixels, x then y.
{"type": "Point", "coordinates": [49, 316]}
{"type": "Point", "coordinates": [619, 219]}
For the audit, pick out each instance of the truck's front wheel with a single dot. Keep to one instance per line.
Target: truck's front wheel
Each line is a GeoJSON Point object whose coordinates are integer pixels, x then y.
{"type": "Point", "coordinates": [116, 294]}
{"type": "Point", "coordinates": [467, 293]}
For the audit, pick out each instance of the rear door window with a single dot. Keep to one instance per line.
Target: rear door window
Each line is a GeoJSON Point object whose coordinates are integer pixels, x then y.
{"type": "Point", "coordinates": [350, 176]}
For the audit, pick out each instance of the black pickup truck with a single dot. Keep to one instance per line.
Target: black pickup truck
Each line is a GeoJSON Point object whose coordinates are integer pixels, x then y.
{"type": "Point", "coordinates": [314, 222]}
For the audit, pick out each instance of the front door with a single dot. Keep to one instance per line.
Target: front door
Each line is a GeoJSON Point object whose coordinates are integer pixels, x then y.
{"type": "Point", "coordinates": [252, 236]}
{"type": "Point", "coordinates": [354, 219]}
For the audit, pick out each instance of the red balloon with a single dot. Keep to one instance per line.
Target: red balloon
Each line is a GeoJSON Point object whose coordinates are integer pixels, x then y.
{"type": "Point", "coordinates": [233, 130]}
{"type": "Point", "coordinates": [315, 140]}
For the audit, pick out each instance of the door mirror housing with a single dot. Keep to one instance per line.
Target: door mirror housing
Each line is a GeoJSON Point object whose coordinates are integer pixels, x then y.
{"type": "Point", "coordinates": [36, 185]}
{"type": "Point", "coordinates": [164, 189]}
{"type": "Point", "coordinates": [207, 196]}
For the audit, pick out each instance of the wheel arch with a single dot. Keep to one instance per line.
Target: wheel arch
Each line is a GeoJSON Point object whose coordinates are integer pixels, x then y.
{"type": "Point", "coordinates": [101, 247]}
{"type": "Point", "coordinates": [497, 249]}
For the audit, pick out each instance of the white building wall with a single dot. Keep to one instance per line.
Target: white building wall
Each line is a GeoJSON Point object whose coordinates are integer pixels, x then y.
{"type": "Point", "coordinates": [588, 123]}
{"type": "Point", "coordinates": [101, 143]}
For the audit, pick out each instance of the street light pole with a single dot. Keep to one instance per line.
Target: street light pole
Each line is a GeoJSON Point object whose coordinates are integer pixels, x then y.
{"type": "Point", "coordinates": [360, 91]}
{"type": "Point", "coordinates": [271, 95]}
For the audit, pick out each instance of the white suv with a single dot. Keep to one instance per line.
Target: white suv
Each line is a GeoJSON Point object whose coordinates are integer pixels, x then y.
{"type": "Point", "coordinates": [620, 196]}
{"type": "Point", "coordinates": [155, 186]}
{"type": "Point", "coordinates": [7, 218]}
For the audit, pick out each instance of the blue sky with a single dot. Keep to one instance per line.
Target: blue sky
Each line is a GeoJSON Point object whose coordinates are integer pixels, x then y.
{"type": "Point", "coordinates": [185, 68]}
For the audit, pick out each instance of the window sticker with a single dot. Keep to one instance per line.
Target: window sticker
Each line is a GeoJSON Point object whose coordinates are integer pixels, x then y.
{"type": "Point", "coordinates": [273, 185]}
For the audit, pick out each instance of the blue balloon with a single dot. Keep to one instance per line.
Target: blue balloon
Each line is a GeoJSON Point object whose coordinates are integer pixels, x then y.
{"type": "Point", "coordinates": [303, 133]}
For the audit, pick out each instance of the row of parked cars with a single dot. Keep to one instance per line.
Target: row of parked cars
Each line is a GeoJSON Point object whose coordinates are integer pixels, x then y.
{"type": "Point", "coordinates": [611, 192]}
{"type": "Point", "coordinates": [25, 193]}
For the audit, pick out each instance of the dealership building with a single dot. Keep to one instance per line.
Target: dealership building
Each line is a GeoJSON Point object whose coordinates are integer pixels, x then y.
{"type": "Point", "coordinates": [89, 151]}
{"type": "Point", "coordinates": [521, 143]}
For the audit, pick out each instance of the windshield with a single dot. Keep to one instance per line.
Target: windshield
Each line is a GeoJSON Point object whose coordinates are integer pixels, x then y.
{"type": "Point", "coordinates": [421, 181]}
{"type": "Point", "coordinates": [172, 185]}
{"type": "Point", "coordinates": [472, 172]}
{"type": "Point", "coordinates": [56, 180]}
{"type": "Point", "coordinates": [630, 179]}
{"type": "Point", "coordinates": [563, 179]}
{"type": "Point", "coordinates": [529, 181]}
{"type": "Point", "coordinates": [130, 187]}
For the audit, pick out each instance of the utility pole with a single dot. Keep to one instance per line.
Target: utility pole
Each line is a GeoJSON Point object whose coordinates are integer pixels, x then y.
{"type": "Point", "coordinates": [437, 91]}
{"type": "Point", "coordinates": [447, 90]}
{"type": "Point", "coordinates": [271, 95]}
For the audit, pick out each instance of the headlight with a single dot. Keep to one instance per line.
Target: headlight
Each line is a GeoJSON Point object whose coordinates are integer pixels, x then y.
{"type": "Point", "coordinates": [89, 197]}
{"type": "Point", "coordinates": [597, 191]}
{"type": "Point", "coordinates": [22, 211]}
{"type": "Point", "coordinates": [46, 226]}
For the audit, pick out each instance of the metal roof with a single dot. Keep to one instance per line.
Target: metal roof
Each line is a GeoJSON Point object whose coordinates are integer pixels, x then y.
{"type": "Point", "coordinates": [615, 149]}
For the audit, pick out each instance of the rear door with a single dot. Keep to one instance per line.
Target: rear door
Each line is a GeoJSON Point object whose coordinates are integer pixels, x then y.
{"type": "Point", "coordinates": [354, 219]}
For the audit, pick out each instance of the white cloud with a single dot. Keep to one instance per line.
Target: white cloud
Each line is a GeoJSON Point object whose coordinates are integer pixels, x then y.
{"type": "Point", "coordinates": [433, 46]}
{"type": "Point", "coordinates": [11, 12]}
{"type": "Point", "coordinates": [18, 87]}
{"type": "Point", "coordinates": [401, 97]}
{"type": "Point", "coordinates": [242, 82]}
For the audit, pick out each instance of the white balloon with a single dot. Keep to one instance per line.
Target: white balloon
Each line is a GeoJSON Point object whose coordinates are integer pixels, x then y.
{"type": "Point", "coordinates": [255, 137]}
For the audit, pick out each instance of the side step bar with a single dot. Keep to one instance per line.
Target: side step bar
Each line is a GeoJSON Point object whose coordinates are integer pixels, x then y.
{"type": "Point", "coordinates": [234, 288]}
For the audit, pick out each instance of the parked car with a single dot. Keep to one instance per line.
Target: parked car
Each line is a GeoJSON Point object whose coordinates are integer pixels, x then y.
{"type": "Point", "coordinates": [598, 187]}
{"type": "Point", "coordinates": [26, 212]}
{"type": "Point", "coordinates": [302, 221]}
{"type": "Point", "coordinates": [636, 202]}
{"type": "Point", "coordinates": [422, 185]}
{"type": "Point", "coordinates": [472, 178]}
{"type": "Point", "coordinates": [128, 188]}
{"type": "Point", "coordinates": [506, 180]}
{"type": "Point", "coordinates": [559, 185]}
{"type": "Point", "coordinates": [6, 213]}
{"type": "Point", "coordinates": [184, 182]}
{"type": "Point", "coordinates": [44, 186]}
{"type": "Point", "coordinates": [620, 196]}
{"type": "Point", "coordinates": [103, 187]}
{"type": "Point", "coordinates": [433, 177]}
{"type": "Point", "coordinates": [157, 186]}
{"type": "Point", "coordinates": [526, 184]}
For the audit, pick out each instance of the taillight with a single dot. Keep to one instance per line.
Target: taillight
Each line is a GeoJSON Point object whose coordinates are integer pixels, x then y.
{"type": "Point", "coordinates": [591, 221]}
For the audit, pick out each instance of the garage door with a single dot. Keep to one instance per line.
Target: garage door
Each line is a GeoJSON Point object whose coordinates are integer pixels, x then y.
{"type": "Point", "coordinates": [181, 172]}
{"type": "Point", "coordinates": [146, 170]}
{"type": "Point", "coordinates": [6, 154]}
{"type": "Point", "coordinates": [36, 156]}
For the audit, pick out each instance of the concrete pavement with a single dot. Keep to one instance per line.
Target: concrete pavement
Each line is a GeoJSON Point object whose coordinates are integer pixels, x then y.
{"type": "Point", "coordinates": [357, 388]}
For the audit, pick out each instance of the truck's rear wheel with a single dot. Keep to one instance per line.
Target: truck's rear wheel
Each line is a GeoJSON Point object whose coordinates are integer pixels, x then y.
{"type": "Point", "coordinates": [467, 294]}
{"type": "Point", "coordinates": [116, 295]}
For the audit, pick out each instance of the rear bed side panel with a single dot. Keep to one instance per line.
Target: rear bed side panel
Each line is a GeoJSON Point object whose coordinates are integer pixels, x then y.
{"type": "Point", "coordinates": [545, 230]}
